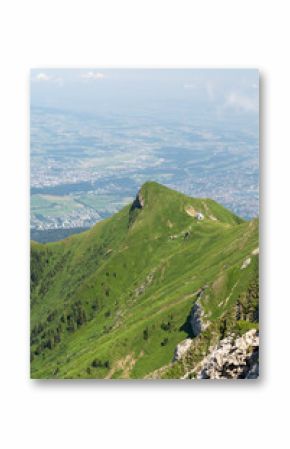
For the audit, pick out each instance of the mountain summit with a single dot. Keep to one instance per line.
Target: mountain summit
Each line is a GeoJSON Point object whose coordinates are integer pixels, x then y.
{"type": "Point", "coordinates": [148, 292]}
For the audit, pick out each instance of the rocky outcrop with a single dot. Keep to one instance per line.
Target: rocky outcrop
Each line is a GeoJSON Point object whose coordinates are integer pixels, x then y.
{"type": "Point", "coordinates": [198, 324]}
{"type": "Point", "coordinates": [246, 263]}
{"type": "Point", "coordinates": [139, 202]}
{"type": "Point", "coordinates": [136, 206]}
{"type": "Point", "coordinates": [194, 213]}
{"type": "Point", "coordinates": [253, 372]}
{"type": "Point", "coordinates": [146, 283]}
{"type": "Point", "coordinates": [233, 358]}
{"type": "Point", "coordinates": [181, 349]}
{"type": "Point", "coordinates": [197, 319]}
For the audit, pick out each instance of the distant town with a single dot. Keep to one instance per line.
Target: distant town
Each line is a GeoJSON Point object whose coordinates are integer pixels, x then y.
{"type": "Point", "coordinates": [83, 171]}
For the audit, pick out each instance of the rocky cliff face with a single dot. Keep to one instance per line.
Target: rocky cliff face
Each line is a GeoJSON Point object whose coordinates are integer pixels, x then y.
{"type": "Point", "coordinates": [181, 349]}
{"type": "Point", "coordinates": [218, 350]}
{"type": "Point", "coordinates": [139, 202]}
{"type": "Point", "coordinates": [198, 320]}
{"type": "Point", "coordinates": [135, 208]}
{"type": "Point", "coordinates": [198, 324]}
{"type": "Point", "coordinates": [233, 358]}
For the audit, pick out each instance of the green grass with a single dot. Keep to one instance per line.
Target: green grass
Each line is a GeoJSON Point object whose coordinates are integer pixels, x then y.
{"type": "Point", "coordinates": [97, 292]}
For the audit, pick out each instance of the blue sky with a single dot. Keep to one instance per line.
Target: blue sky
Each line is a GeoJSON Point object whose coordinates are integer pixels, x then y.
{"type": "Point", "coordinates": [219, 94]}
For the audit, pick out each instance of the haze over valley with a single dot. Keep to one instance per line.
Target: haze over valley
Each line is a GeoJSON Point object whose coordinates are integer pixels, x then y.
{"type": "Point", "coordinates": [97, 136]}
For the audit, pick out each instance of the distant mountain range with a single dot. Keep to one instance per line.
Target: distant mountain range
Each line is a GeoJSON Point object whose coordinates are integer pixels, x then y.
{"type": "Point", "coordinates": [166, 288]}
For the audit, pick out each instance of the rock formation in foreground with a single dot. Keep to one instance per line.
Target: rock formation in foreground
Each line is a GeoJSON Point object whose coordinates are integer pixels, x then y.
{"type": "Point", "coordinates": [233, 358]}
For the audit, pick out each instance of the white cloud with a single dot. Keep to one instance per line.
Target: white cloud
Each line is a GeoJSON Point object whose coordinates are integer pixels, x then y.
{"type": "Point", "coordinates": [93, 76]}
{"type": "Point", "coordinates": [42, 77]}
{"type": "Point", "coordinates": [241, 102]}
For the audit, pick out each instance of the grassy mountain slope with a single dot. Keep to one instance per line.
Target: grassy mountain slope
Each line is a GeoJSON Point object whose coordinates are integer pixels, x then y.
{"type": "Point", "coordinates": [114, 301]}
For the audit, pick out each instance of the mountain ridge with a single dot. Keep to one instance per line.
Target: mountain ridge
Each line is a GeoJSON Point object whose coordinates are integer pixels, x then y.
{"type": "Point", "coordinates": [114, 301]}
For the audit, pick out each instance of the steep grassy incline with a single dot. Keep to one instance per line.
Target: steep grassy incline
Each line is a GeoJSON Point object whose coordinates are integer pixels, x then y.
{"type": "Point", "coordinates": [114, 301]}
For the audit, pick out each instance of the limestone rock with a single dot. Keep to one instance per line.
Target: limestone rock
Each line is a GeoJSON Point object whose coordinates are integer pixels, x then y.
{"type": "Point", "coordinates": [233, 358]}
{"type": "Point", "coordinates": [139, 202]}
{"type": "Point", "coordinates": [255, 252]}
{"type": "Point", "coordinates": [246, 263]}
{"type": "Point", "coordinates": [197, 319]}
{"type": "Point", "coordinates": [182, 349]}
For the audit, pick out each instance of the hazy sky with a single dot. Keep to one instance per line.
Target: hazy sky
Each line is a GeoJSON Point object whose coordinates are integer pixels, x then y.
{"type": "Point", "coordinates": [211, 93]}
